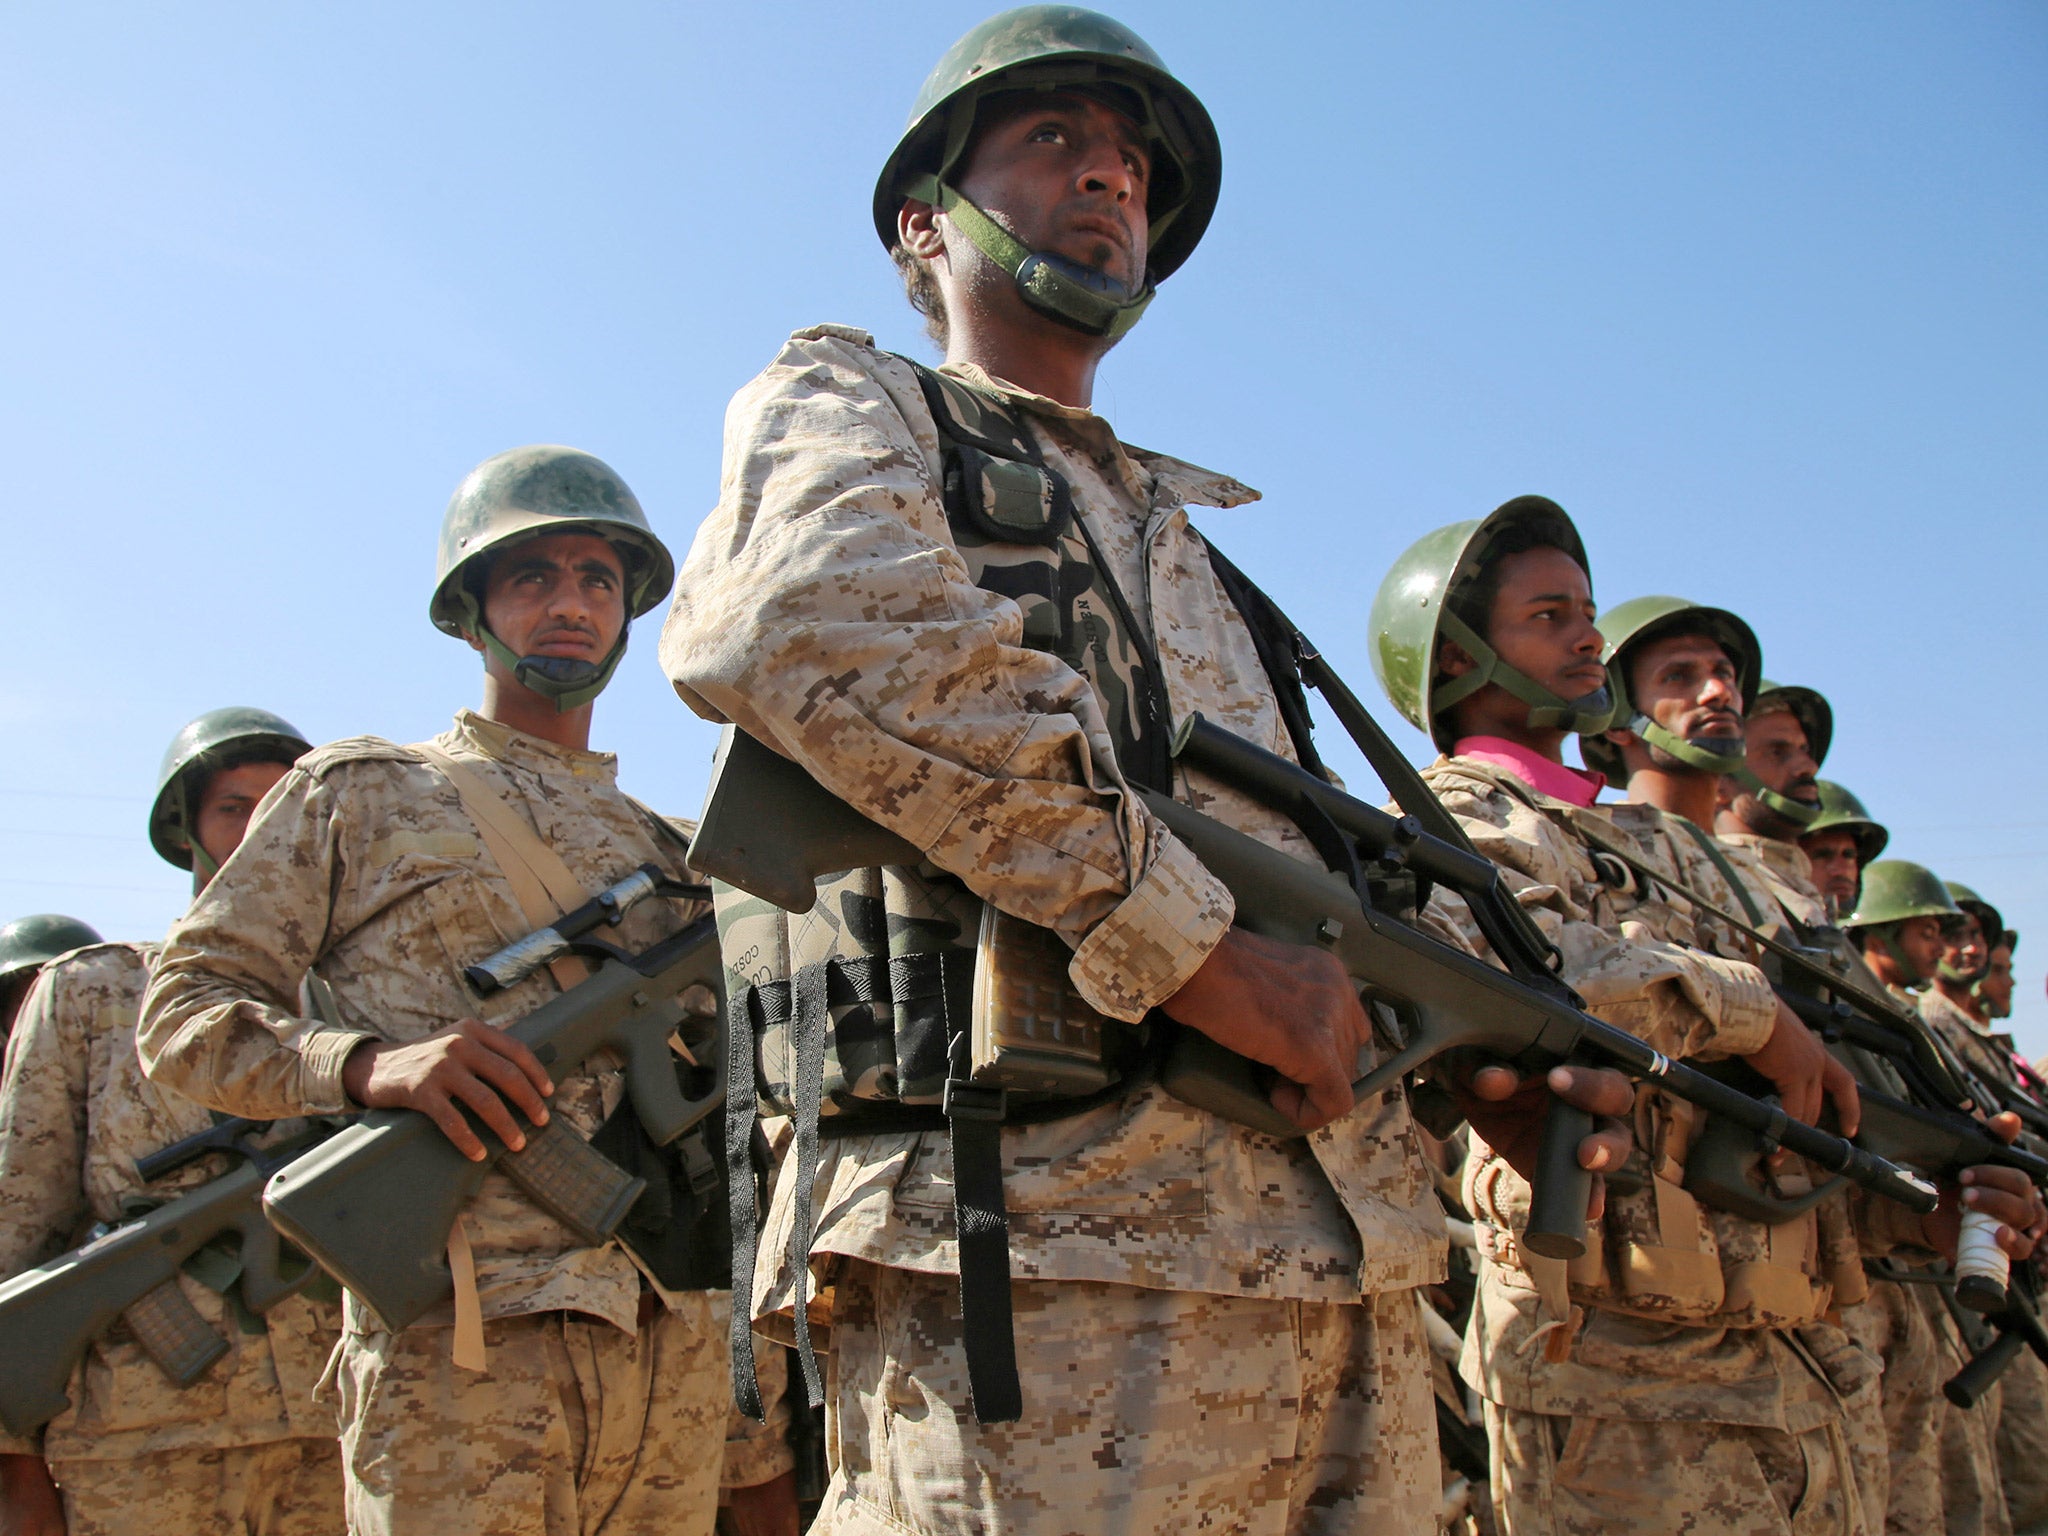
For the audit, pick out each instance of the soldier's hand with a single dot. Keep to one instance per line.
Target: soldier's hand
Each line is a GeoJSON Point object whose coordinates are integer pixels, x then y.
{"type": "Point", "coordinates": [29, 1502]}
{"type": "Point", "coordinates": [2005, 1194]}
{"type": "Point", "coordinates": [1806, 1076]}
{"type": "Point", "coordinates": [465, 1064]}
{"type": "Point", "coordinates": [1508, 1113]}
{"type": "Point", "coordinates": [1289, 1006]}
{"type": "Point", "coordinates": [764, 1509]}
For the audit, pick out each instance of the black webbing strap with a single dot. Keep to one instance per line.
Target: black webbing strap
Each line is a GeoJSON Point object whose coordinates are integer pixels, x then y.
{"type": "Point", "coordinates": [974, 1118]}
{"type": "Point", "coordinates": [812, 1019]}
{"type": "Point", "coordinates": [741, 1106]}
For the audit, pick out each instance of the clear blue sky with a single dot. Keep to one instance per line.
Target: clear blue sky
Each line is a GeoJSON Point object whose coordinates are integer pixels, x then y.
{"type": "Point", "coordinates": [1755, 290]}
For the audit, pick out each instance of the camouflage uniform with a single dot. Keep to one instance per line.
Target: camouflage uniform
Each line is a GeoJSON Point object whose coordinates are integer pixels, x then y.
{"type": "Point", "coordinates": [1904, 1325]}
{"type": "Point", "coordinates": [1610, 1403]}
{"type": "Point", "coordinates": [364, 867]}
{"type": "Point", "coordinates": [2022, 1417]}
{"type": "Point", "coordinates": [245, 1447]}
{"type": "Point", "coordinates": [826, 608]}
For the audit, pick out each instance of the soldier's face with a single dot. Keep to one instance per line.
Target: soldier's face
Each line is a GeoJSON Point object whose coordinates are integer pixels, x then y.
{"type": "Point", "coordinates": [562, 594]}
{"type": "Point", "coordinates": [1919, 941]}
{"type": "Point", "coordinates": [1688, 685]}
{"type": "Point", "coordinates": [1997, 984]}
{"type": "Point", "coordinates": [14, 992]}
{"type": "Point", "coordinates": [1541, 622]}
{"type": "Point", "coordinates": [1836, 868]}
{"type": "Point", "coordinates": [1962, 944]}
{"type": "Point", "coordinates": [1065, 174]}
{"type": "Point", "coordinates": [1779, 755]}
{"type": "Point", "coordinates": [228, 801]}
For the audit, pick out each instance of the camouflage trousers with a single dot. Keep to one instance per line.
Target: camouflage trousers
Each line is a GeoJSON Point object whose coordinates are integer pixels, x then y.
{"type": "Point", "coordinates": [574, 1429]}
{"type": "Point", "coordinates": [1582, 1476]}
{"type": "Point", "coordinates": [1944, 1467]}
{"type": "Point", "coordinates": [1144, 1411]}
{"type": "Point", "coordinates": [2023, 1441]}
{"type": "Point", "coordinates": [286, 1488]}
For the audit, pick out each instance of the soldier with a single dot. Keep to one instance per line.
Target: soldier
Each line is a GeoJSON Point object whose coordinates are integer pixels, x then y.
{"type": "Point", "coordinates": [1958, 1005]}
{"type": "Point", "coordinates": [27, 945]}
{"type": "Point", "coordinates": [245, 1447]}
{"type": "Point", "coordinates": [960, 602]}
{"type": "Point", "coordinates": [1840, 843]}
{"type": "Point", "coordinates": [1664, 1379]}
{"type": "Point", "coordinates": [1899, 923]}
{"type": "Point", "coordinates": [560, 1391]}
{"type": "Point", "coordinates": [1776, 797]}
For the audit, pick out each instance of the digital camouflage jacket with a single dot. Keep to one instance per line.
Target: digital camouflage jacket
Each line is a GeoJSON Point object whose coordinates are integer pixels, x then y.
{"type": "Point", "coordinates": [826, 608]}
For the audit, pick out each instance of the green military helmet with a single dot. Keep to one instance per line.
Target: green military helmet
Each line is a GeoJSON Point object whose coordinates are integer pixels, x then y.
{"type": "Point", "coordinates": [1840, 810]}
{"type": "Point", "coordinates": [519, 495]}
{"type": "Point", "coordinates": [220, 738]}
{"type": "Point", "coordinates": [1816, 718]}
{"type": "Point", "coordinates": [1060, 48]}
{"type": "Point", "coordinates": [1415, 607]}
{"type": "Point", "coordinates": [1989, 919]}
{"type": "Point", "coordinates": [28, 943]}
{"type": "Point", "coordinates": [1629, 624]}
{"type": "Point", "coordinates": [1897, 889]}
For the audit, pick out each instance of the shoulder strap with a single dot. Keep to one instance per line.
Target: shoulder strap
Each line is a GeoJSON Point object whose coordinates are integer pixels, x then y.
{"type": "Point", "coordinates": [541, 883]}
{"type": "Point", "coordinates": [1719, 859]}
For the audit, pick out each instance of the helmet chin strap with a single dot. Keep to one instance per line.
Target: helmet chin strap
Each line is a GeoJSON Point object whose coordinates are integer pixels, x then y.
{"type": "Point", "coordinates": [1088, 300]}
{"type": "Point", "coordinates": [567, 682]}
{"type": "Point", "coordinates": [1801, 813]}
{"type": "Point", "coordinates": [1962, 977]}
{"type": "Point", "coordinates": [1587, 715]}
{"type": "Point", "coordinates": [1701, 754]}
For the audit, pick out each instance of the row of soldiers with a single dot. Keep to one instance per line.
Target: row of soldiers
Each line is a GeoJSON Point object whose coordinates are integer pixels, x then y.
{"type": "Point", "coordinates": [976, 617]}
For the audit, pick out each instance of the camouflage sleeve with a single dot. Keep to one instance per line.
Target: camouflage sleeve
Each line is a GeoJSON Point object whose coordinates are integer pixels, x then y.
{"type": "Point", "coordinates": [824, 609]}
{"type": "Point", "coordinates": [42, 1130]}
{"type": "Point", "coordinates": [1682, 1001]}
{"type": "Point", "coordinates": [220, 1021]}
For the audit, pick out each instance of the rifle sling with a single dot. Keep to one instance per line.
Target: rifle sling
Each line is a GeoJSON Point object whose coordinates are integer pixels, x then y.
{"type": "Point", "coordinates": [545, 889]}
{"type": "Point", "coordinates": [541, 883]}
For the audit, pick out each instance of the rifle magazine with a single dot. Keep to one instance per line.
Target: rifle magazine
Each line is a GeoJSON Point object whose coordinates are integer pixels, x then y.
{"type": "Point", "coordinates": [173, 1334]}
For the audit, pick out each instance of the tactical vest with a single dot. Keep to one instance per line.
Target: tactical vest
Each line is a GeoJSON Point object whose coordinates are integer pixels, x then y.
{"type": "Point", "coordinates": [857, 1017]}
{"type": "Point", "coordinates": [1663, 1252]}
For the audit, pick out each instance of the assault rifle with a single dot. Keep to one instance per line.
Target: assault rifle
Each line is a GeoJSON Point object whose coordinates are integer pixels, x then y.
{"type": "Point", "coordinates": [1425, 995]}
{"type": "Point", "coordinates": [128, 1272]}
{"type": "Point", "coordinates": [376, 1204]}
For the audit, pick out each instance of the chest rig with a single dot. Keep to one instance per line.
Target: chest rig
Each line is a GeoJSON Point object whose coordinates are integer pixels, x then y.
{"type": "Point", "coordinates": [869, 1013]}
{"type": "Point", "coordinates": [1773, 1255]}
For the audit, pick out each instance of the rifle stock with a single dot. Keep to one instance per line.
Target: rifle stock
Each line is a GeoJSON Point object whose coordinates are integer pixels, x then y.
{"type": "Point", "coordinates": [375, 1205]}
{"type": "Point", "coordinates": [49, 1315]}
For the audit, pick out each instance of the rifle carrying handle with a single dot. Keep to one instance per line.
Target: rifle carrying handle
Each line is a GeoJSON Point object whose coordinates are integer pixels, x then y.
{"type": "Point", "coordinates": [1975, 1379]}
{"type": "Point", "coordinates": [1557, 1207]}
{"type": "Point", "coordinates": [172, 1333]}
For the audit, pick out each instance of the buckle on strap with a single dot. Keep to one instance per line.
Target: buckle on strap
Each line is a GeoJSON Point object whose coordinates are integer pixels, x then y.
{"type": "Point", "coordinates": [972, 1101]}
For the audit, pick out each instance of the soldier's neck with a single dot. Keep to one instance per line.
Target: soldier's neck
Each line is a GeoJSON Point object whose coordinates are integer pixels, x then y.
{"type": "Point", "coordinates": [1695, 796]}
{"type": "Point", "coordinates": [1029, 351]}
{"type": "Point", "coordinates": [510, 703]}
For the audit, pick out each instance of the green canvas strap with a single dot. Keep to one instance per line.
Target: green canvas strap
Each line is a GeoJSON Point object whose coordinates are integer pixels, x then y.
{"type": "Point", "coordinates": [1047, 283]}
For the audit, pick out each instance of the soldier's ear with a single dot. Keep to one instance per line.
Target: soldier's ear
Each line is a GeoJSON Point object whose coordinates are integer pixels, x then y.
{"type": "Point", "coordinates": [1453, 660]}
{"type": "Point", "coordinates": [917, 228]}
